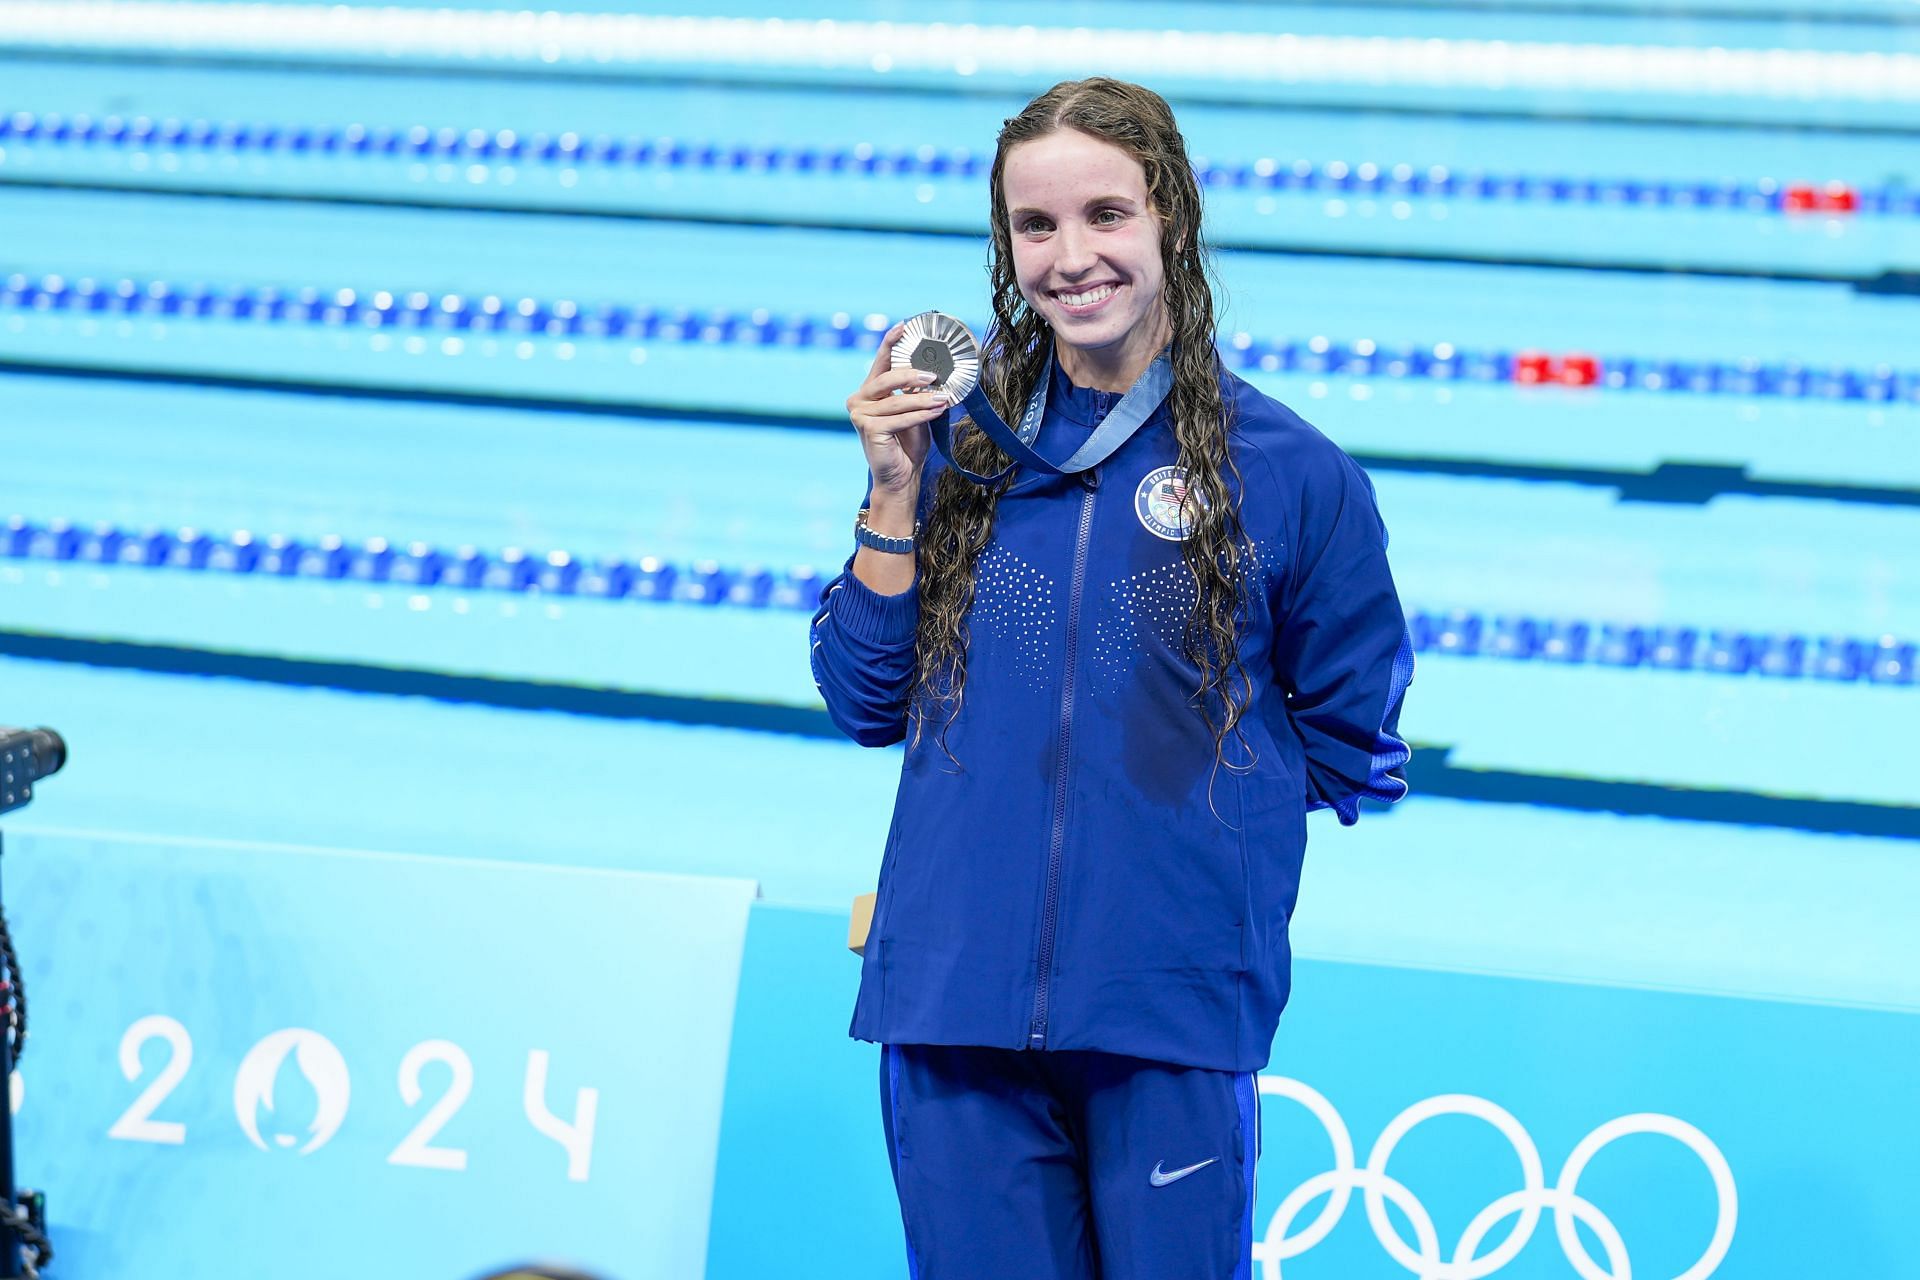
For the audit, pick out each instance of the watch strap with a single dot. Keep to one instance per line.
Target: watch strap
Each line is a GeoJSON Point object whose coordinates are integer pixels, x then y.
{"type": "Point", "coordinates": [864, 534]}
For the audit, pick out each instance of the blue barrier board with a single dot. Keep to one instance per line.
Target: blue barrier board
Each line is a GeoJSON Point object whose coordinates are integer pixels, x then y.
{"type": "Point", "coordinates": [1416, 1122]}
{"type": "Point", "coordinates": [249, 1060]}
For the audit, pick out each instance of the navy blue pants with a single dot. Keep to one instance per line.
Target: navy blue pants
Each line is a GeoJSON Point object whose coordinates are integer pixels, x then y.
{"type": "Point", "coordinates": [1069, 1165]}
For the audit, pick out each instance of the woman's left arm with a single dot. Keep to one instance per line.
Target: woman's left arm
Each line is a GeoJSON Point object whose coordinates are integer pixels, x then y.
{"type": "Point", "coordinates": [1342, 652]}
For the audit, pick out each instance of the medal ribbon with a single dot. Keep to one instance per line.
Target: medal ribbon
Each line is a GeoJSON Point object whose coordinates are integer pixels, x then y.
{"type": "Point", "coordinates": [1146, 395]}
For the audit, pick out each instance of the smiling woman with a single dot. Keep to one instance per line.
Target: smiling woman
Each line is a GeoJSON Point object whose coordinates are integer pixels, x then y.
{"type": "Point", "coordinates": [1122, 688]}
{"type": "Point", "coordinates": [1109, 154]}
{"type": "Point", "coordinates": [1090, 265]}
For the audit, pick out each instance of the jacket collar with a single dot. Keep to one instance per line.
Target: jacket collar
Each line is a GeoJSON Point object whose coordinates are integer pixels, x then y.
{"type": "Point", "coordinates": [1082, 405]}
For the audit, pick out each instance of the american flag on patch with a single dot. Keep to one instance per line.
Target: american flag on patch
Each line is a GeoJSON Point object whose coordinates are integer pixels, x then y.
{"type": "Point", "coordinates": [1174, 491]}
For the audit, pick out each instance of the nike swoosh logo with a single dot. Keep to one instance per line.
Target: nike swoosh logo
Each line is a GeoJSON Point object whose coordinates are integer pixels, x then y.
{"type": "Point", "coordinates": [1160, 1177]}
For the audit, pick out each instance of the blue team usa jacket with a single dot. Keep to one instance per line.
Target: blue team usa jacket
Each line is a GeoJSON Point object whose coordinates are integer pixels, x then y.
{"type": "Point", "coordinates": [1085, 878]}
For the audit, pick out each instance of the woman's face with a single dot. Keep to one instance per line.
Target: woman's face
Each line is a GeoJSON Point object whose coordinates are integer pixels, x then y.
{"type": "Point", "coordinates": [1086, 253]}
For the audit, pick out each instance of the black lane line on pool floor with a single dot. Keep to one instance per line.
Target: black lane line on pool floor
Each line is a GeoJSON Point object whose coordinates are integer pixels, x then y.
{"type": "Point", "coordinates": [1873, 280]}
{"type": "Point", "coordinates": [1431, 771]}
{"type": "Point", "coordinates": [1011, 95]}
{"type": "Point", "coordinates": [1682, 483]}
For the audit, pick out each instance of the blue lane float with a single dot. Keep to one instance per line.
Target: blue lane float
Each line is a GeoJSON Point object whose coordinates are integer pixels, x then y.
{"type": "Point", "coordinates": [564, 318]}
{"type": "Point", "coordinates": [1886, 660]}
{"type": "Point", "coordinates": [576, 150]}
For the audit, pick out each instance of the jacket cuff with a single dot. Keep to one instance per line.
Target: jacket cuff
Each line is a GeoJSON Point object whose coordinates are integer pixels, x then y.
{"type": "Point", "coordinates": [877, 619]}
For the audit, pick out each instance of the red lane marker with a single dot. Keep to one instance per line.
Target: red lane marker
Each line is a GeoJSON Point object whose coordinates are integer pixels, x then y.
{"type": "Point", "coordinates": [1575, 369]}
{"type": "Point", "coordinates": [1578, 369]}
{"type": "Point", "coordinates": [1831, 197]}
{"type": "Point", "coordinates": [1838, 197]}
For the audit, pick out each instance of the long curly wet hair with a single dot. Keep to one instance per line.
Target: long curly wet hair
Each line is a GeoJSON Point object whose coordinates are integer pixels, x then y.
{"type": "Point", "coordinates": [1018, 353]}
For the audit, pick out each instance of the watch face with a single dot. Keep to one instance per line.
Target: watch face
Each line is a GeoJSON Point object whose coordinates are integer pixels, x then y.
{"type": "Point", "coordinates": [938, 344]}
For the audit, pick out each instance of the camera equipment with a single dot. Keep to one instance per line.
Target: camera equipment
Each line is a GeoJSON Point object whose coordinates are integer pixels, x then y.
{"type": "Point", "coordinates": [26, 756]}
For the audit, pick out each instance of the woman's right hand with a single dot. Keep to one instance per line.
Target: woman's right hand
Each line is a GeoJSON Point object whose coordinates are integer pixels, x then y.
{"type": "Point", "coordinates": [891, 411]}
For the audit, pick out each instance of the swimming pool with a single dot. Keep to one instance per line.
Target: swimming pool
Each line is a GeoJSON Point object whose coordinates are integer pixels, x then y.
{"type": "Point", "coordinates": [442, 399]}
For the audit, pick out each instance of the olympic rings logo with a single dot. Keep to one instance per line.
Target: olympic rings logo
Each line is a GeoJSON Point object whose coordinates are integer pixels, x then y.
{"type": "Point", "coordinates": [1423, 1258]}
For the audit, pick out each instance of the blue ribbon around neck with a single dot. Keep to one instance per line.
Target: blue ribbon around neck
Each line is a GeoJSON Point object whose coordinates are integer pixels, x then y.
{"type": "Point", "coordinates": [1149, 390]}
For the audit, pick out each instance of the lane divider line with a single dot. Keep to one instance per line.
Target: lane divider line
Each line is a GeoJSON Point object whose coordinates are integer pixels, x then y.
{"type": "Point", "coordinates": [452, 315]}
{"type": "Point", "coordinates": [963, 50]}
{"type": "Point", "coordinates": [1431, 772]}
{"type": "Point", "coordinates": [505, 148]}
{"type": "Point", "coordinates": [1883, 660]}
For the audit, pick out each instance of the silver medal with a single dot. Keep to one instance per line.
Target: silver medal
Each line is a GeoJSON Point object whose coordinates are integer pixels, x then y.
{"type": "Point", "coordinates": [936, 343]}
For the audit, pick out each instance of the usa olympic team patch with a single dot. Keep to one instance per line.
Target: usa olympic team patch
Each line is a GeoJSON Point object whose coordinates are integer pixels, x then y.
{"type": "Point", "coordinates": [1164, 503]}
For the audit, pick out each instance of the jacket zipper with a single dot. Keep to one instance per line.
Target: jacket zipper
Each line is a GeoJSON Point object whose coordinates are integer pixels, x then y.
{"type": "Point", "coordinates": [1037, 1031]}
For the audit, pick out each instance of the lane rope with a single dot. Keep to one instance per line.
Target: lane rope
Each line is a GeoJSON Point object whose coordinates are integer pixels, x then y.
{"type": "Point", "coordinates": [418, 311]}
{"type": "Point", "coordinates": [1885, 660]}
{"type": "Point", "coordinates": [962, 50]}
{"type": "Point", "coordinates": [505, 148]}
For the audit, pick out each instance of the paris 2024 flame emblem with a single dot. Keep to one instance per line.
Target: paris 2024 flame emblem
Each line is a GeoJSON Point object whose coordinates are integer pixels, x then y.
{"type": "Point", "coordinates": [325, 1070]}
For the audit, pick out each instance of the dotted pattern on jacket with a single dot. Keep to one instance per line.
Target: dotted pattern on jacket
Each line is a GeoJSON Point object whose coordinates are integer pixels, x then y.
{"type": "Point", "coordinates": [1015, 603]}
{"type": "Point", "coordinates": [1152, 607]}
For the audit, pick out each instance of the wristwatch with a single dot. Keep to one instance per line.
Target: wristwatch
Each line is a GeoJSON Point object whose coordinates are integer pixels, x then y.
{"type": "Point", "coordinates": [864, 535]}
